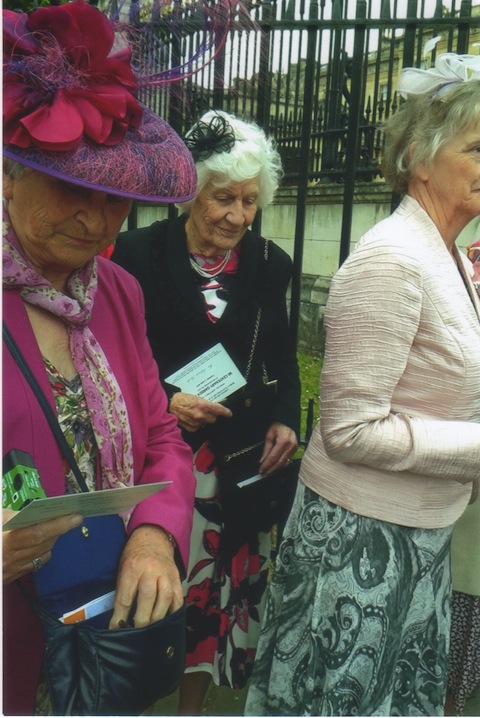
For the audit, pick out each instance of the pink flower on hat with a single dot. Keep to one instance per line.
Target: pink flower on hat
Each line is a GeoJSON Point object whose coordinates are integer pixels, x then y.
{"type": "Point", "coordinates": [57, 89]}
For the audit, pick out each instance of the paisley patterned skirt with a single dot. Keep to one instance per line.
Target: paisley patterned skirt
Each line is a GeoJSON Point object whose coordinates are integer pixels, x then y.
{"type": "Point", "coordinates": [357, 618]}
{"type": "Point", "coordinates": [225, 597]}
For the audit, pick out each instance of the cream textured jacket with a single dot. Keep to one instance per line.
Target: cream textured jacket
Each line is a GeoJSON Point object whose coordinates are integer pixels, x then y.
{"type": "Point", "coordinates": [399, 435]}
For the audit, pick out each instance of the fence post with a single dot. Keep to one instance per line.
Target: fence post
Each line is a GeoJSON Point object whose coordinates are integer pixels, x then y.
{"type": "Point", "coordinates": [351, 159]}
{"type": "Point", "coordinates": [464, 28]}
{"type": "Point", "coordinates": [303, 174]}
{"type": "Point", "coordinates": [333, 98]}
{"type": "Point", "coordinates": [218, 80]}
{"type": "Point", "coordinates": [410, 29]}
{"type": "Point", "coordinates": [264, 90]}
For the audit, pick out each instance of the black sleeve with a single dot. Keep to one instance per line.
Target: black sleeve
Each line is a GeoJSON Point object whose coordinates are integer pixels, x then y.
{"type": "Point", "coordinates": [133, 252]}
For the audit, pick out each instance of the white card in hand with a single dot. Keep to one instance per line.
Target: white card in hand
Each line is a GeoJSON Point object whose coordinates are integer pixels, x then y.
{"type": "Point", "coordinates": [213, 375]}
{"type": "Point", "coordinates": [91, 503]}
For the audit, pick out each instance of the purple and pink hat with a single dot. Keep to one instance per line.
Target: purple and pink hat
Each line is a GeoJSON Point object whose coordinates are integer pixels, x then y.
{"type": "Point", "coordinates": [70, 109]}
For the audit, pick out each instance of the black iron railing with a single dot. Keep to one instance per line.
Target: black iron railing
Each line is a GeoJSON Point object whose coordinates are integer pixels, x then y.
{"type": "Point", "coordinates": [318, 76]}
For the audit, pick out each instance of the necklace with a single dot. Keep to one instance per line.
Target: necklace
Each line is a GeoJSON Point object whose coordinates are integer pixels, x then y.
{"type": "Point", "coordinates": [215, 271]}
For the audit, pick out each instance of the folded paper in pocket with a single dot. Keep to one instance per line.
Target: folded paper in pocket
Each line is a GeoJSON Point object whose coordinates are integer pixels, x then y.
{"type": "Point", "coordinates": [99, 605]}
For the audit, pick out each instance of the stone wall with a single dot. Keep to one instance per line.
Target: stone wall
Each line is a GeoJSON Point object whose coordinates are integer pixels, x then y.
{"type": "Point", "coordinates": [321, 241]}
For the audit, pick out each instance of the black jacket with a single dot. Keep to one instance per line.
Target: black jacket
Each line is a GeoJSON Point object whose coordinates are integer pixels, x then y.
{"type": "Point", "coordinates": [177, 325]}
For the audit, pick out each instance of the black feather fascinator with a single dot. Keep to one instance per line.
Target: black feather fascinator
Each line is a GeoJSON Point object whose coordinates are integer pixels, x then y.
{"type": "Point", "coordinates": [207, 138]}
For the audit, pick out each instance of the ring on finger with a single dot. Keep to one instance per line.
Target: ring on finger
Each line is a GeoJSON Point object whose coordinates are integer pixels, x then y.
{"type": "Point", "coordinates": [37, 564]}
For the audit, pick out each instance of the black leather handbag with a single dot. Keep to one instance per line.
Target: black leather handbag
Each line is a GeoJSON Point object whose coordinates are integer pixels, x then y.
{"type": "Point", "coordinates": [252, 503]}
{"type": "Point", "coordinates": [96, 671]}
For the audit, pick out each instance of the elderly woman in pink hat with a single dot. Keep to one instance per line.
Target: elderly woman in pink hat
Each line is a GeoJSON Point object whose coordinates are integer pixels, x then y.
{"type": "Point", "coordinates": [78, 148]}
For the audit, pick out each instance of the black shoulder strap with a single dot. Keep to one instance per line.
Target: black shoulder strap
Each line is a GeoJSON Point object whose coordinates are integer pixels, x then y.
{"type": "Point", "coordinates": [43, 401]}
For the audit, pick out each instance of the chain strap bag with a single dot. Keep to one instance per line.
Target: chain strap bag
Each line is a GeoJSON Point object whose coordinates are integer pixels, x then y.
{"type": "Point", "coordinates": [89, 669]}
{"type": "Point", "coordinates": [250, 506]}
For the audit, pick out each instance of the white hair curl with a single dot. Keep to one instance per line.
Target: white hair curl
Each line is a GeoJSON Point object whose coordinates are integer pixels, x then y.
{"type": "Point", "coordinates": [252, 156]}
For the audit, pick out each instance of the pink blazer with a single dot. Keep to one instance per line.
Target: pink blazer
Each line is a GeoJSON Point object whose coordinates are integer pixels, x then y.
{"type": "Point", "coordinates": [159, 450]}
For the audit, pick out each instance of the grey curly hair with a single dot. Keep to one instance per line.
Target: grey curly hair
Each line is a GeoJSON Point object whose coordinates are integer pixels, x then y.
{"type": "Point", "coordinates": [422, 125]}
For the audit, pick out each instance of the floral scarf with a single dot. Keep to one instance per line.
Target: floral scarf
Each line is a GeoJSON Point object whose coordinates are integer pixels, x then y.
{"type": "Point", "coordinates": [106, 405]}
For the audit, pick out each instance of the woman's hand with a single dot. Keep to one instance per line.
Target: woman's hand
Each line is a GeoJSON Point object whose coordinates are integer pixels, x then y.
{"type": "Point", "coordinates": [193, 412]}
{"type": "Point", "coordinates": [22, 546]}
{"type": "Point", "coordinates": [149, 575]}
{"type": "Point", "coordinates": [280, 445]}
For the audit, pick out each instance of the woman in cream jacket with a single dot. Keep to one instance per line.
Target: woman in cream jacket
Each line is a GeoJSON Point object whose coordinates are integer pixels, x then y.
{"type": "Point", "coordinates": [358, 613]}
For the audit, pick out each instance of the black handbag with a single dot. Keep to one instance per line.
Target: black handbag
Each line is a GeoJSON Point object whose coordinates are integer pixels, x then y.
{"type": "Point", "coordinates": [250, 507]}
{"type": "Point", "coordinates": [89, 669]}
{"type": "Point", "coordinates": [97, 671]}
{"type": "Point", "coordinates": [251, 409]}
{"type": "Point", "coordinates": [251, 504]}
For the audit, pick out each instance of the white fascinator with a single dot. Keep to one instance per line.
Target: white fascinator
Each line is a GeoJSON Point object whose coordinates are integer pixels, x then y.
{"type": "Point", "coordinates": [450, 69]}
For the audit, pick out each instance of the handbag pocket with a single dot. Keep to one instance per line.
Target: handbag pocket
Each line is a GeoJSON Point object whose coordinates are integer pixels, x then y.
{"type": "Point", "coordinates": [83, 566]}
{"type": "Point", "coordinates": [93, 671]}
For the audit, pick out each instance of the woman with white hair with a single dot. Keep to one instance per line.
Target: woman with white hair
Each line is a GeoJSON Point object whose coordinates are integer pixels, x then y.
{"type": "Point", "coordinates": [208, 278]}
